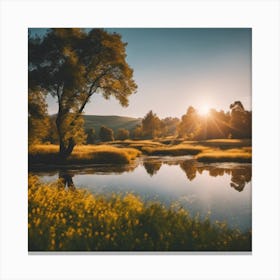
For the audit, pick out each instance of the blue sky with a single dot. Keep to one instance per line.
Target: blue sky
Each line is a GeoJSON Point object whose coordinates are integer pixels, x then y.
{"type": "Point", "coordinates": [178, 67]}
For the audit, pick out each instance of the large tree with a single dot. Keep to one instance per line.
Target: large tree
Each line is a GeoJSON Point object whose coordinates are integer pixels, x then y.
{"type": "Point", "coordinates": [72, 64]}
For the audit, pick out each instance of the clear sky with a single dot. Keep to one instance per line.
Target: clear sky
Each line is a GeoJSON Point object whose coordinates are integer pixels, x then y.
{"type": "Point", "coordinates": [178, 67]}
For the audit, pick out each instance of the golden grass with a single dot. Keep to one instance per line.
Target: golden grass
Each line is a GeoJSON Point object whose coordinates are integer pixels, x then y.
{"type": "Point", "coordinates": [222, 143]}
{"type": "Point", "coordinates": [215, 150]}
{"type": "Point", "coordinates": [137, 143]}
{"type": "Point", "coordinates": [64, 220]}
{"type": "Point", "coordinates": [230, 155]}
{"type": "Point", "coordinates": [176, 150]}
{"type": "Point", "coordinates": [83, 154]}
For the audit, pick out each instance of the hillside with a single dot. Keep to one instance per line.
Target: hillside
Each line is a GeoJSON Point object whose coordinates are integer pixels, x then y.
{"type": "Point", "coordinates": [114, 122]}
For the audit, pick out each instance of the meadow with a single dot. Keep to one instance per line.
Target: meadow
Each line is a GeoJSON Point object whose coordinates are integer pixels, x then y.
{"type": "Point", "coordinates": [152, 193]}
{"type": "Point", "coordinates": [82, 154]}
{"type": "Point", "coordinates": [60, 219]}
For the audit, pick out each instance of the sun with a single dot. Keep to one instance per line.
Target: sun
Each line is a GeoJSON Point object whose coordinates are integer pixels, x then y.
{"type": "Point", "coordinates": [204, 109]}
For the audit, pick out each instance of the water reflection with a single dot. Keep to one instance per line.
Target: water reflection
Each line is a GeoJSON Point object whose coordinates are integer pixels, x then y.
{"type": "Point", "coordinates": [190, 168]}
{"type": "Point", "coordinates": [240, 177]}
{"type": "Point", "coordinates": [152, 167]}
{"type": "Point", "coordinates": [222, 188]}
{"type": "Point", "coordinates": [66, 179]}
{"type": "Point", "coordinates": [240, 173]}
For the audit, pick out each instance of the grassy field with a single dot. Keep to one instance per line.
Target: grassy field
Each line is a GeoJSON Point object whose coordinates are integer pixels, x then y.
{"type": "Point", "coordinates": [242, 155]}
{"type": "Point", "coordinates": [64, 220]}
{"type": "Point", "coordinates": [83, 154]}
{"type": "Point", "coordinates": [176, 150]}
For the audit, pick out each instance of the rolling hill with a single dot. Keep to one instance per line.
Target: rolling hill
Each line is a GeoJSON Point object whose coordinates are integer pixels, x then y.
{"type": "Point", "coordinates": [113, 122]}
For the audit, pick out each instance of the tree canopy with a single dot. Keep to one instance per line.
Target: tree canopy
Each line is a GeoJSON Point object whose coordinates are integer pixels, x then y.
{"type": "Point", "coordinates": [38, 121]}
{"type": "Point", "coordinates": [71, 65]}
{"type": "Point", "coordinates": [151, 125]}
{"type": "Point", "coordinates": [106, 134]}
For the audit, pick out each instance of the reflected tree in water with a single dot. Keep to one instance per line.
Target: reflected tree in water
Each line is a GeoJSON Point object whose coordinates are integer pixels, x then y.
{"type": "Point", "coordinates": [66, 179]}
{"type": "Point", "coordinates": [239, 177]}
{"type": "Point", "coordinates": [152, 167]}
{"type": "Point", "coordinates": [216, 171]}
{"type": "Point", "coordinates": [190, 168]}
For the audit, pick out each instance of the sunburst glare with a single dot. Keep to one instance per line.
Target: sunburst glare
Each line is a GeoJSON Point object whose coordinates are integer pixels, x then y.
{"type": "Point", "coordinates": [204, 109]}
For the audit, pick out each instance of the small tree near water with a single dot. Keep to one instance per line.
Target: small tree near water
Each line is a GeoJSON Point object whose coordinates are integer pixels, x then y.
{"type": "Point", "coordinates": [122, 134]}
{"type": "Point", "coordinates": [106, 134]}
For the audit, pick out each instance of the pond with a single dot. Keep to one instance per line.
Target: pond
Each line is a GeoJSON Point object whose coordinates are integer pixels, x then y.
{"type": "Point", "coordinates": [220, 190]}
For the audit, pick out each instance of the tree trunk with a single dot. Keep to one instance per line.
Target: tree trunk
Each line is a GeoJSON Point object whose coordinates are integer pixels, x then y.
{"type": "Point", "coordinates": [65, 149]}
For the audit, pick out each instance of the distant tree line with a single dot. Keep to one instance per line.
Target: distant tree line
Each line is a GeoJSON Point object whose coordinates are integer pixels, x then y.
{"type": "Point", "coordinates": [235, 123]}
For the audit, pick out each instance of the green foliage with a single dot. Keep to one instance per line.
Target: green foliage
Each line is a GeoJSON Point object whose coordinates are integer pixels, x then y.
{"type": "Point", "coordinates": [65, 220]}
{"type": "Point", "coordinates": [106, 134]}
{"type": "Point", "coordinates": [72, 65]}
{"type": "Point", "coordinates": [122, 134]}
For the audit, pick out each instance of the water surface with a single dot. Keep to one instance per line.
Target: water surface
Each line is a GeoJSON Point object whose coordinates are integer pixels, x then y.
{"type": "Point", "coordinates": [222, 191]}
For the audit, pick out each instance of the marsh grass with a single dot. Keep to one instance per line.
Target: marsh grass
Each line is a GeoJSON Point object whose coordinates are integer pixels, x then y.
{"type": "Point", "coordinates": [64, 220]}
{"type": "Point", "coordinates": [123, 152]}
{"type": "Point", "coordinates": [243, 155]}
{"type": "Point", "coordinates": [214, 150]}
{"type": "Point", "coordinates": [83, 154]}
{"type": "Point", "coordinates": [222, 143]}
{"type": "Point", "coordinates": [175, 150]}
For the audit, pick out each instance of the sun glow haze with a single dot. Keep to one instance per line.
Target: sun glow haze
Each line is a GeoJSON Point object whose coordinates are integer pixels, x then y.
{"type": "Point", "coordinates": [204, 109]}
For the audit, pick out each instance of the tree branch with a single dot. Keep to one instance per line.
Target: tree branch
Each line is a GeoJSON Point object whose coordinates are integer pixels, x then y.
{"type": "Point", "coordinates": [91, 91]}
{"type": "Point", "coordinates": [58, 95]}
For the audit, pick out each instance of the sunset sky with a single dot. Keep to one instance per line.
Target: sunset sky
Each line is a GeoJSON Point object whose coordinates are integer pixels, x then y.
{"type": "Point", "coordinates": [177, 68]}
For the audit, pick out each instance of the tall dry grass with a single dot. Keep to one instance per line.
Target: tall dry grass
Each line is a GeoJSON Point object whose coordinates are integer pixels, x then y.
{"type": "Point", "coordinates": [83, 154]}
{"type": "Point", "coordinates": [243, 155]}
